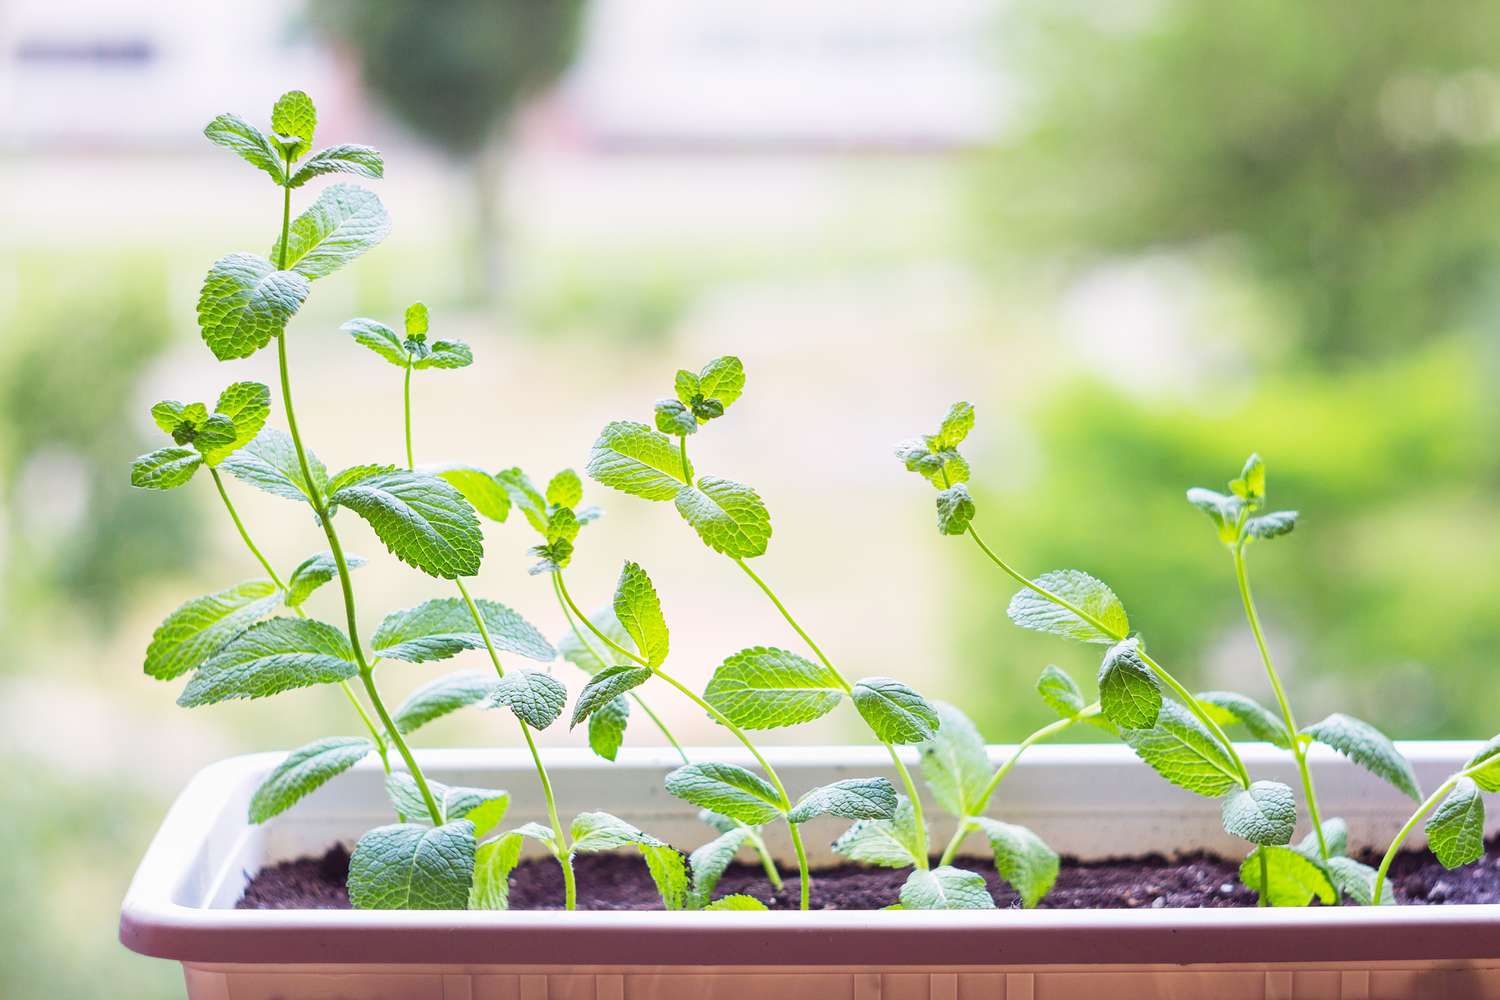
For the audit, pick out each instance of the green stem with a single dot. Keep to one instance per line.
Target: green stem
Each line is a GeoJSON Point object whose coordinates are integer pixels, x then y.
{"type": "Point", "coordinates": [1299, 751]}
{"type": "Point", "coordinates": [406, 405]}
{"type": "Point", "coordinates": [687, 476]}
{"type": "Point", "coordinates": [1411, 824]}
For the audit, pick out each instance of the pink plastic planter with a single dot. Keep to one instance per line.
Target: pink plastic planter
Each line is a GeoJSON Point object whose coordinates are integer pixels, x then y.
{"type": "Point", "coordinates": [1085, 800]}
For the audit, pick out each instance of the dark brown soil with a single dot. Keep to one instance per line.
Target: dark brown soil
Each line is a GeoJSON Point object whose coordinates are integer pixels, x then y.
{"type": "Point", "coordinates": [620, 882]}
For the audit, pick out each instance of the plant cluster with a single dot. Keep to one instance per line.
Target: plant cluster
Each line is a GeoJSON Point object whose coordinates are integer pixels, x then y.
{"type": "Point", "coordinates": [448, 847]}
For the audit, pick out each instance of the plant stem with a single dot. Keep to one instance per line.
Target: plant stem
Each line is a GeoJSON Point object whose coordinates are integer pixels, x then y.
{"type": "Point", "coordinates": [1299, 750]}
{"type": "Point", "coordinates": [1411, 824]}
{"type": "Point", "coordinates": [687, 476]}
{"type": "Point", "coordinates": [406, 406]}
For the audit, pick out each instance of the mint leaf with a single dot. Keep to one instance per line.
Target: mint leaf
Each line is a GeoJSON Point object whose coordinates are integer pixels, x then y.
{"type": "Point", "coordinates": [1335, 835]}
{"type": "Point", "coordinates": [1181, 750]}
{"type": "Point", "coordinates": [604, 687]}
{"type": "Point", "coordinates": [767, 688]}
{"type": "Point", "coordinates": [730, 517]}
{"type": "Point", "coordinates": [355, 474]}
{"type": "Point", "coordinates": [276, 655]}
{"type": "Point", "coordinates": [709, 862]}
{"type": "Point", "coordinates": [1128, 694]}
{"type": "Point", "coordinates": [1222, 509]}
{"type": "Point", "coordinates": [1369, 748]}
{"type": "Point", "coordinates": [423, 520]}
{"type": "Point", "coordinates": [639, 612]}
{"type": "Point", "coordinates": [269, 462]}
{"type": "Point", "coordinates": [955, 509]}
{"type": "Point", "coordinates": [1060, 692]}
{"type": "Point", "coordinates": [202, 626]}
{"type": "Point", "coordinates": [344, 222]}
{"type": "Point", "coordinates": [957, 423]}
{"type": "Point", "coordinates": [687, 386]}
{"type": "Point", "coordinates": [525, 496]}
{"type": "Point", "coordinates": [1455, 830]}
{"type": "Point", "coordinates": [673, 418]}
{"type": "Point", "coordinates": [484, 807]}
{"type": "Point", "coordinates": [444, 627]}
{"type": "Point", "coordinates": [245, 405]}
{"type": "Point", "coordinates": [1022, 858]}
{"type": "Point", "coordinates": [1227, 708]}
{"type": "Point", "coordinates": [1293, 878]}
{"type": "Point", "coordinates": [552, 557]}
{"type": "Point", "coordinates": [482, 490]}
{"type": "Point", "coordinates": [942, 467]}
{"type": "Point", "coordinates": [294, 116]}
{"type": "Point", "coordinates": [890, 843]}
{"type": "Point", "coordinates": [736, 901]}
{"type": "Point", "coordinates": [245, 302]}
{"type": "Point", "coordinates": [444, 354]}
{"type": "Point", "coordinates": [1031, 610]}
{"type": "Point", "coordinates": [165, 468]}
{"type": "Point", "coordinates": [851, 798]}
{"type": "Point", "coordinates": [954, 762]}
{"type": "Point", "coordinates": [536, 698]}
{"type": "Point", "coordinates": [946, 888]}
{"type": "Point", "coordinates": [607, 727]}
{"type": "Point", "coordinates": [379, 338]}
{"type": "Point", "coordinates": [1251, 486]}
{"type": "Point", "coordinates": [303, 771]}
{"type": "Point", "coordinates": [562, 524]}
{"type": "Point", "coordinates": [726, 789]}
{"type": "Point", "coordinates": [1484, 766]}
{"type": "Point", "coordinates": [493, 863]}
{"type": "Point", "coordinates": [895, 712]}
{"type": "Point", "coordinates": [343, 158]}
{"type": "Point", "coordinates": [1272, 525]}
{"type": "Point", "coordinates": [565, 489]}
{"type": "Point", "coordinates": [311, 573]}
{"type": "Point", "coordinates": [406, 866]}
{"type": "Point", "coordinates": [668, 870]}
{"type": "Point", "coordinates": [722, 380]}
{"type": "Point", "coordinates": [1264, 813]}
{"type": "Point", "coordinates": [634, 459]}
{"type": "Point", "coordinates": [437, 698]}
{"type": "Point", "coordinates": [250, 143]}
{"type": "Point", "coordinates": [599, 831]}
{"type": "Point", "coordinates": [1356, 881]}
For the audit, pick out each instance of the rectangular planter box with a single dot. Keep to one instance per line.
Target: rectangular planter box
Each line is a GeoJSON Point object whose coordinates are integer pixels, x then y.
{"type": "Point", "coordinates": [1089, 801]}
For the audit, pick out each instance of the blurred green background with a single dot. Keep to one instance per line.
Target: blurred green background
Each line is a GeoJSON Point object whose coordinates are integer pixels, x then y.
{"type": "Point", "coordinates": [1144, 239]}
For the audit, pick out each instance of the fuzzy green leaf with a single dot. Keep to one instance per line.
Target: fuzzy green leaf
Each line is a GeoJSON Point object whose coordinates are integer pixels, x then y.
{"type": "Point", "coordinates": [379, 338]}
{"type": "Point", "coordinates": [294, 116]}
{"type": "Point", "coordinates": [342, 158]}
{"type": "Point", "coordinates": [730, 517]}
{"type": "Point", "coordinates": [634, 459]}
{"type": "Point", "coordinates": [565, 489]}
{"type": "Point", "coordinates": [954, 762]}
{"type": "Point", "coordinates": [639, 612]}
{"type": "Point", "coordinates": [604, 687]}
{"type": "Point", "coordinates": [423, 520]}
{"type": "Point", "coordinates": [1128, 694]}
{"type": "Point", "coordinates": [722, 380]}
{"type": "Point", "coordinates": [1484, 766]}
{"type": "Point", "coordinates": [1335, 835]}
{"type": "Point", "coordinates": [493, 863]}
{"type": "Point", "coordinates": [1357, 881]}
{"type": "Point", "coordinates": [607, 727]}
{"type": "Point", "coordinates": [525, 496]}
{"type": "Point", "coordinates": [1031, 610]}
{"type": "Point", "coordinates": [1060, 692]}
{"type": "Point", "coordinates": [344, 222]}
{"type": "Point", "coordinates": [244, 302]}
{"type": "Point", "coordinates": [202, 626]}
{"type": "Point", "coordinates": [946, 888]}
{"type": "Point", "coordinates": [726, 789]}
{"type": "Point", "coordinates": [767, 688]}
{"type": "Point", "coordinates": [736, 901]}
{"type": "Point", "coordinates": [675, 419]}
{"type": "Point", "coordinates": [893, 711]}
{"type": "Point", "coordinates": [709, 862]}
{"type": "Point", "coordinates": [955, 509]}
{"type": "Point", "coordinates": [269, 463]}
{"type": "Point", "coordinates": [1181, 750]}
{"type": "Point", "coordinates": [1227, 708]}
{"type": "Point", "coordinates": [1022, 858]}
{"type": "Point", "coordinates": [444, 627]}
{"type": "Point", "coordinates": [484, 807]}
{"type": "Point", "coordinates": [1369, 748]}
{"type": "Point", "coordinates": [600, 831]}
{"type": "Point", "coordinates": [239, 136]}
{"type": "Point", "coordinates": [668, 870]}
{"type": "Point", "coordinates": [536, 698]}
{"type": "Point", "coordinates": [1272, 525]}
{"type": "Point", "coordinates": [851, 798]}
{"type": "Point", "coordinates": [276, 655]}
{"type": "Point", "coordinates": [482, 490]}
{"type": "Point", "coordinates": [1455, 830]}
{"type": "Point", "coordinates": [446, 694]}
{"type": "Point", "coordinates": [1264, 813]}
{"type": "Point", "coordinates": [245, 405]}
{"type": "Point", "coordinates": [311, 573]}
{"type": "Point", "coordinates": [407, 866]}
{"type": "Point", "coordinates": [957, 423]}
{"type": "Point", "coordinates": [890, 843]}
{"type": "Point", "coordinates": [303, 771]}
{"type": "Point", "coordinates": [1293, 878]}
{"type": "Point", "coordinates": [443, 354]}
{"type": "Point", "coordinates": [1223, 509]}
{"type": "Point", "coordinates": [165, 468]}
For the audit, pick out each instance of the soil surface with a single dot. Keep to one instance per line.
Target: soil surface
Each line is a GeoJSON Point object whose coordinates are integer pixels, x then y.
{"type": "Point", "coordinates": [620, 882]}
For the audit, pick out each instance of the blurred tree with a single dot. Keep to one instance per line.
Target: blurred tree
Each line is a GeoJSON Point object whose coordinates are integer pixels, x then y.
{"type": "Point", "coordinates": [455, 72]}
{"type": "Point", "coordinates": [1349, 150]}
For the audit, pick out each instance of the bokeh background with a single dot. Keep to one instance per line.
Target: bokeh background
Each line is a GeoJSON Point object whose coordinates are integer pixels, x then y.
{"type": "Point", "coordinates": [1144, 238]}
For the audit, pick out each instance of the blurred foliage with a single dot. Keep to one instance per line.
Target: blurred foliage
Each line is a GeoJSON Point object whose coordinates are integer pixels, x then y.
{"type": "Point", "coordinates": [1347, 151]}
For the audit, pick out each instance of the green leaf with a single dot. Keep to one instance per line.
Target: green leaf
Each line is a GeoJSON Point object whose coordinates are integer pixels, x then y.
{"type": "Point", "coordinates": [1264, 813]}
{"type": "Point", "coordinates": [311, 573]}
{"type": "Point", "coordinates": [165, 468]}
{"type": "Point", "coordinates": [1484, 766]}
{"type": "Point", "coordinates": [536, 698]}
{"type": "Point", "coordinates": [726, 789]}
{"type": "Point", "coordinates": [444, 627]}
{"type": "Point", "coordinates": [525, 496]}
{"type": "Point", "coordinates": [202, 626]}
{"type": "Point", "coordinates": [343, 223]}
{"type": "Point", "coordinates": [565, 489]}
{"type": "Point", "coordinates": [722, 380]}
{"type": "Point", "coordinates": [957, 423]}
{"type": "Point", "coordinates": [1369, 748]}
{"type": "Point", "coordinates": [604, 687]}
{"type": "Point", "coordinates": [730, 517]}
{"type": "Point", "coordinates": [954, 762]}
{"type": "Point", "coordinates": [1227, 708]}
{"type": "Point", "coordinates": [1356, 881]}
{"type": "Point", "coordinates": [1455, 830]}
{"type": "Point", "coordinates": [669, 871]}
{"type": "Point", "coordinates": [895, 712]}
{"type": "Point", "coordinates": [942, 467]}
{"type": "Point", "coordinates": [582, 648]}
{"type": "Point", "coordinates": [1060, 692]}
{"type": "Point", "coordinates": [245, 302]}
{"type": "Point", "coordinates": [552, 557]}
{"type": "Point", "coordinates": [482, 490]}
{"type": "Point", "coordinates": [1294, 880]}
{"type": "Point", "coordinates": [850, 798]}
{"type": "Point", "coordinates": [423, 520]}
{"type": "Point", "coordinates": [417, 320]}
{"type": "Point", "coordinates": [1181, 750]}
{"type": "Point", "coordinates": [1031, 610]}
{"type": "Point", "coordinates": [239, 136]}
{"type": "Point", "coordinates": [634, 459]}
{"type": "Point", "coordinates": [767, 688]}
{"type": "Point", "coordinates": [303, 771]}
{"type": "Point", "coordinates": [343, 158]}
{"type": "Point", "coordinates": [379, 338]}
{"type": "Point", "coordinates": [446, 694]}
{"type": "Point", "coordinates": [687, 386]}
{"type": "Point", "coordinates": [541, 834]}
{"type": "Point", "coordinates": [673, 418]}
{"type": "Point", "coordinates": [599, 831]}
{"type": "Point", "coordinates": [276, 655]}
{"type": "Point", "coordinates": [639, 612]}
{"type": "Point", "coordinates": [493, 863]}
{"type": "Point", "coordinates": [269, 463]}
{"type": "Point", "coordinates": [709, 862]}
{"type": "Point", "coordinates": [955, 509]}
{"type": "Point", "coordinates": [484, 807]}
{"type": "Point", "coordinates": [444, 354]}
{"type": "Point", "coordinates": [736, 901]}
{"type": "Point", "coordinates": [294, 116]}
{"type": "Point", "coordinates": [406, 866]}
{"type": "Point", "coordinates": [1128, 694]}
{"type": "Point", "coordinates": [562, 525]}
{"type": "Point", "coordinates": [1335, 834]}
{"type": "Point", "coordinates": [1272, 525]}
{"type": "Point", "coordinates": [1251, 485]}
{"type": "Point", "coordinates": [890, 843]}
{"type": "Point", "coordinates": [607, 727]}
{"type": "Point", "coordinates": [946, 888]}
{"type": "Point", "coordinates": [1022, 858]}
{"type": "Point", "coordinates": [1222, 509]}
{"type": "Point", "coordinates": [245, 405]}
